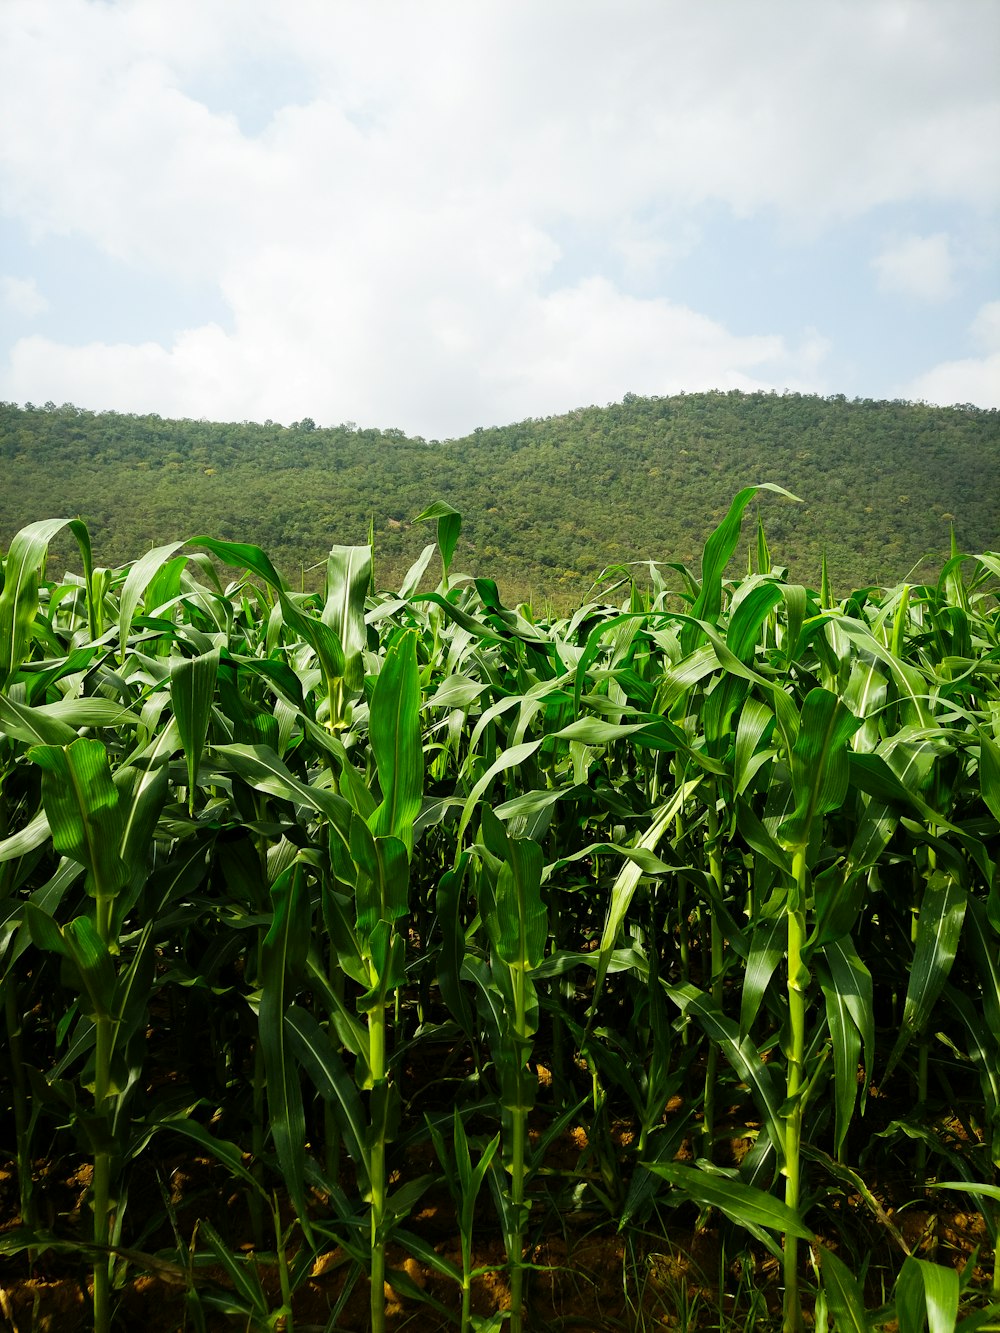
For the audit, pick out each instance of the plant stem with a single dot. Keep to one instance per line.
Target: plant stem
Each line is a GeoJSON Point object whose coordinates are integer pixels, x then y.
{"type": "Point", "coordinates": [711, 1070]}
{"type": "Point", "coordinates": [19, 1087]}
{"type": "Point", "coordinates": [104, 1038]}
{"type": "Point", "coordinates": [286, 1286]}
{"type": "Point", "coordinates": [258, 1133]}
{"type": "Point", "coordinates": [518, 1136]}
{"type": "Point", "coordinates": [466, 1323]}
{"type": "Point", "coordinates": [797, 981]}
{"type": "Point", "coordinates": [376, 1165]}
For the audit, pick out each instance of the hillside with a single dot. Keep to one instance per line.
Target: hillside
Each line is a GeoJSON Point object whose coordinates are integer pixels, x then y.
{"type": "Point", "coordinates": [547, 504]}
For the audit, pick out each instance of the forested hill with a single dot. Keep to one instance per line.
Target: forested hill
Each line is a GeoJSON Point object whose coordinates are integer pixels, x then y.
{"type": "Point", "coordinates": [547, 504]}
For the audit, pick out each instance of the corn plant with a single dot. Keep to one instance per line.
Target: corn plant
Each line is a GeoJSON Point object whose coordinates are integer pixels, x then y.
{"type": "Point", "coordinates": [720, 855]}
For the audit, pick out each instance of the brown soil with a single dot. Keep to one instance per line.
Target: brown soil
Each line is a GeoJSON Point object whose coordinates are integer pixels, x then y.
{"type": "Point", "coordinates": [584, 1277]}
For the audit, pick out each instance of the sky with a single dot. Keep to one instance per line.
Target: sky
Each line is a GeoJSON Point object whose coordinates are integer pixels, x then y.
{"type": "Point", "coordinates": [435, 215]}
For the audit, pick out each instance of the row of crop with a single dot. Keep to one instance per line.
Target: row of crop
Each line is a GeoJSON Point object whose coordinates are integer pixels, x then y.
{"type": "Point", "coordinates": [729, 850]}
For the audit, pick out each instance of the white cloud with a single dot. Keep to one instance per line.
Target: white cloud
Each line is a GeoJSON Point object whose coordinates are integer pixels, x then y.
{"type": "Point", "coordinates": [20, 296]}
{"type": "Point", "coordinates": [921, 267]}
{"type": "Point", "coordinates": [970, 379]}
{"type": "Point", "coordinates": [585, 344]}
{"type": "Point", "coordinates": [986, 326]}
{"type": "Point", "coordinates": [571, 110]}
{"type": "Point", "coordinates": [387, 238]}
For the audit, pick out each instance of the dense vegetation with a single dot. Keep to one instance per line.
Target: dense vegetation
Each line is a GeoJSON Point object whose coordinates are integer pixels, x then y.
{"type": "Point", "coordinates": [547, 503]}
{"type": "Point", "coordinates": [360, 902]}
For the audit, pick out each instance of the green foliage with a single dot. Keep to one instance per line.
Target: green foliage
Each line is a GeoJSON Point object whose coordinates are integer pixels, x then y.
{"type": "Point", "coordinates": [721, 861]}
{"type": "Point", "coordinates": [883, 485]}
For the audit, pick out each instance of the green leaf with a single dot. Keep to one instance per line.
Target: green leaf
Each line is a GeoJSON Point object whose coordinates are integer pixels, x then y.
{"type": "Point", "coordinates": [755, 719]}
{"type": "Point", "coordinates": [381, 893]}
{"type": "Point", "coordinates": [25, 840]}
{"type": "Point", "coordinates": [818, 763]}
{"type": "Point", "coordinates": [989, 774]}
{"type": "Point", "coordinates": [742, 1204]}
{"type": "Point", "coordinates": [592, 731]}
{"type": "Point", "coordinates": [19, 595]}
{"type": "Point", "coordinates": [718, 552]}
{"type": "Point", "coordinates": [982, 943]}
{"type": "Point", "coordinates": [448, 529]}
{"type": "Point", "coordinates": [242, 556]}
{"type": "Point", "coordinates": [81, 803]}
{"type": "Point", "coordinates": [320, 637]}
{"type": "Point", "coordinates": [968, 1187]}
{"type": "Point", "coordinates": [192, 691]}
{"type": "Point", "coordinates": [416, 572]}
{"type": "Point", "coordinates": [35, 726]}
{"type": "Point", "coordinates": [348, 574]}
{"type": "Point", "coordinates": [939, 927]}
{"type": "Point", "coordinates": [844, 1295]}
{"type": "Point", "coordinates": [260, 767]}
{"type": "Point", "coordinates": [519, 927]}
{"type": "Point", "coordinates": [132, 991]}
{"type": "Point", "coordinates": [139, 578]}
{"type": "Point", "coordinates": [452, 953]}
{"type": "Point", "coordinates": [242, 1275]}
{"type": "Point", "coordinates": [749, 614]}
{"type": "Point", "coordinates": [142, 793]}
{"type": "Point", "coordinates": [624, 887]}
{"type": "Point", "coordinates": [926, 1297]}
{"type": "Point", "coordinates": [94, 964]}
{"type": "Point", "coordinates": [283, 959]}
{"type": "Point", "coordinates": [426, 1254]}
{"type": "Point", "coordinates": [511, 758]}
{"type": "Point", "coordinates": [229, 1154]}
{"type": "Point", "coordinates": [854, 989]}
{"type": "Point", "coordinates": [740, 1053]}
{"type": "Point", "coordinates": [846, 1042]}
{"type": "Point", "coordinates": [324, 1066]}
{"type": "Point", "coordinates": [394, 731]}
{"type": "Point", "coordinates": [45, 933]}
{"type": "Point", "coordinates": [768, 946]}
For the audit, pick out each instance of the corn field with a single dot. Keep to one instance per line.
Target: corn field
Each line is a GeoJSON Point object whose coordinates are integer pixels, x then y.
{"type": "Point", "coordinates": [361, 900]}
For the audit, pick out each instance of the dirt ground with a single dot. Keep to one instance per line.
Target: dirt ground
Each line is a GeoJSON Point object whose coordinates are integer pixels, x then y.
{"type": "Point", "coordinates": [584, 1275]}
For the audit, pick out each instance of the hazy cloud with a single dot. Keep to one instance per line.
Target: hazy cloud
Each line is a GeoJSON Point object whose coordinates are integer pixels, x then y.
{"type": "Point", "coordinates": [917, 266]}
{"type": "Point", "coordinates": [986, 326]}
{"type": "Point", "coordinates": [389, 198]}
{"type": "Point", "coordinates": [20, 296]}
{"type": "Point", "coordinates": [969, 379]}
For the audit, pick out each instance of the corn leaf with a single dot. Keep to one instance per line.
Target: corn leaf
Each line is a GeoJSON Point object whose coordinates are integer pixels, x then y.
{"type": "Point", "coordinates": [989, 773]}
{"type": "Point", "coordinates": [768, 945]}
{"type": "Point", "coordinates": [742, 1204]}
{"type": "Point", "coordinates": [381, 892]}
{"type": "Point", "coordinates": [818, 763]}
{"type": "Point", "coordinates": [519, 927]}
{"type": "Point", "coordinates": [192, 691]}
{"type": "Point", "coordinates": [394, 729]}
{"type": "Point", "coordinates": [243, 556]}
{"type": "Point", "coordinates": [926, 1297]}
{"type": "Point", "coordinates": [19, 595]}
{"type": "Point", "coordinates": [718, 552]}
{"type": "Point", "coordinates": [853, 986]}
{"type": "Point", "coordinates": [739, 1052]}
{"type": "Point", "coordinates": [844, 1294]}
{"type": "Point", "coordinates": [283, 959]}
{"type": "Point", "coordinates": [140, 576]}
{"type": "Point", "coordinates": [81, 804]}
{"type": "Point", "coordinates": [939, 926]}
{"type": "Point", "coordinates": [324, 1066]}
{"type": "Point", "coordinates": [348, 574]}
